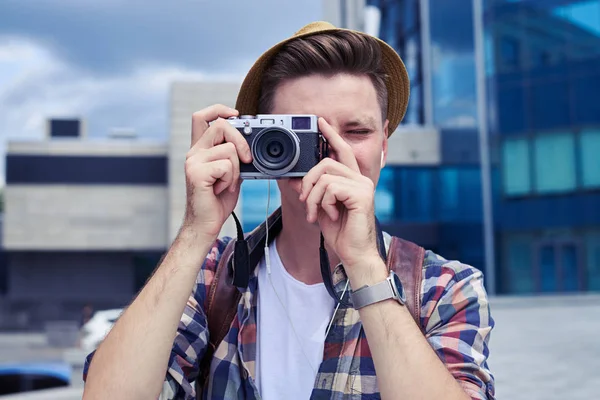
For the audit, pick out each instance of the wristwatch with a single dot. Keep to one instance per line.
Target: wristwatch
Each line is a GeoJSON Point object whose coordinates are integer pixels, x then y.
{"type": "Point", "coordinates": [391, 288]}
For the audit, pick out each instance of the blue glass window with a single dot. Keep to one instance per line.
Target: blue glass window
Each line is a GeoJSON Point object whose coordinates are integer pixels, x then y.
{"type": "Point", "coordinates": [550, 104]}
{"type": "Point", "coordinates": [592, 244]}
{"type": "Point", "coordinates": [460, 195]}
{"type": "Point", "coordinates": [570, 267]}
{"type": "Point", "coordinates": [547, 265]}
{"type": "Point", "coordinates": [414, 195]}
{"type": "Point", "coordinates": [453, 64]}
{"type": "Point", "coordinates": [590, 158]}
{"type": "Point", "coordinates": [384, 196]}
{"type": "Point", "coordinates": [512, 108]}
{"type": "Point", "coordinates": [519, 266]}
{"type": "Point", "coordinates": [584, 14]}
{"type": "Point", "coordinates": [509, 51]}
{"type": "Point", "coordinates": [515, 167]}
{"type": "Point", "coordinates": [554, 163]}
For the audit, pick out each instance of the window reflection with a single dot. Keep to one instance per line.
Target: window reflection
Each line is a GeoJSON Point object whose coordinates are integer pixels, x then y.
{"type": "Point", "coordinates": [453, 64]}
{"type": "Point", "coordinates": [400, 28]}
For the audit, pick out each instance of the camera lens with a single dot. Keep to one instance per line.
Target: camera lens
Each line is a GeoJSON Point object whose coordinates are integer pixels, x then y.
{"type": "Point", "coordinates": [275, 151]}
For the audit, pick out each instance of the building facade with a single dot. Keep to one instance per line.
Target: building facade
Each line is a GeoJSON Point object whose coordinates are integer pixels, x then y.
{"type": "Point", "coordinates": [84, 223]}
{"type": "Point", "coordinates": [543, 75]}
{"type": "Point", "coordinates": [542, 69]}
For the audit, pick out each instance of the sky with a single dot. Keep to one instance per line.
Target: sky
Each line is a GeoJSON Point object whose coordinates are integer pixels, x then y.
{"type": "Point", "coordinates": [111, 62]}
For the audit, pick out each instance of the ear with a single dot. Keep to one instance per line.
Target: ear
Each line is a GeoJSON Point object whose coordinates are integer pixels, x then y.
{"type": "Point", "coordinates": [384, 147]}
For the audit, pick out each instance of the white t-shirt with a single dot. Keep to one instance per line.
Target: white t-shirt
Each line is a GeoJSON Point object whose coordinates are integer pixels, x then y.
{"type": "Point", "coordinates": [282, 368]}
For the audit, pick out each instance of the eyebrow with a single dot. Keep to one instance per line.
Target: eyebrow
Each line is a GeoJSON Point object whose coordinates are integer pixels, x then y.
{"type": "Point", "coordinates": [354, 123]}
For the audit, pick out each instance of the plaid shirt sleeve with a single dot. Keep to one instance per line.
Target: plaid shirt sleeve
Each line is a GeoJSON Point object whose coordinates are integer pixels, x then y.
{"type": "Point", "coordinates": [456, 316]}
{"type": "Point", "coordinates": [192, 335]}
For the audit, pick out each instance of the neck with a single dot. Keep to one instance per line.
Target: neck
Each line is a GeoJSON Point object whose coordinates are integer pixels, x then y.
{"type": "Point", "coordinates": [298, 247]}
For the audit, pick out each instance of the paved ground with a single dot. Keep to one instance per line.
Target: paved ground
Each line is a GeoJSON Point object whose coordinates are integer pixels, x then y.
{"type": "Point", "coordinates": [542, 348]}
{"type": "Point", "coordinates": [546, 348]}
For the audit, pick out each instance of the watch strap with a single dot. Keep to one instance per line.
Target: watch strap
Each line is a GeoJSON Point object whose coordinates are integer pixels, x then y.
{"type": "Point", "coordinates": [372, 294]}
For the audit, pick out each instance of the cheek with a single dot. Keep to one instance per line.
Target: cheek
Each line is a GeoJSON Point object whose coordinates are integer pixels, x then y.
{"type": "Point", "coordinates": [368, 162]}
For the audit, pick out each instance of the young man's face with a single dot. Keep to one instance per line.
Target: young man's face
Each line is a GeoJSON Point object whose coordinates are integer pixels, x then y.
{"type": "Point", "coordinates": [349, 104]}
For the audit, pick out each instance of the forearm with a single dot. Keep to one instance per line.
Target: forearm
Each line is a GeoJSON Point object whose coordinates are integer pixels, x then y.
{"type": "Point", "coordinates": [406, 365]}
{"type": "Point", "coordinates": [131, 362]}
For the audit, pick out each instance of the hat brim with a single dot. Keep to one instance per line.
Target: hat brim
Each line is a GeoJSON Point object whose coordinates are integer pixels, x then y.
{"type": "Point", "coordinates": [397, 81]}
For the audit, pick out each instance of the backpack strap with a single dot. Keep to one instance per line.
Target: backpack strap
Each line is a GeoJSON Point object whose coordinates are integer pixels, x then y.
{"type": "Point", "coordinates": [406, 259]}
{"type": "Point", "coordinates": [233, 271]}
{"type": "Point", "coordinates": [221, 307]}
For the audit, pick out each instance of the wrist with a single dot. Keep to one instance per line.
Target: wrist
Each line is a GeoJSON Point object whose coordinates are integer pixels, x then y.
{"type": "Point", "coordinates": [367, 272]}
{"type": "Point", "coordinates": [194, 242]}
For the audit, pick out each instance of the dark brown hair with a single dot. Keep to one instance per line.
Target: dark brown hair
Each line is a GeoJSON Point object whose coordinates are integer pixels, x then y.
{"type": "Point", "coordinates": [325, 54]}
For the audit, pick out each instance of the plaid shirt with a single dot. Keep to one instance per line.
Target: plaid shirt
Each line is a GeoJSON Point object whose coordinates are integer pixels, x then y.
{"type": "Point", "coordinates": [455, 317]}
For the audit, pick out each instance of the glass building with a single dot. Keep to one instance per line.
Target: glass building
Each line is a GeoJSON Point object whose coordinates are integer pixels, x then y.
{"type": "Point", "coordinates": [542, 70]}
{"type": "Point", "coordinates": [543, 79]}
{"type": "Point", "coordinates": [542, 67]}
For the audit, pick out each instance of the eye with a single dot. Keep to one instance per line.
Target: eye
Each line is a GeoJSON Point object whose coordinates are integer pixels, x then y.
{"type": "Point", "coordinates": [359, 131]}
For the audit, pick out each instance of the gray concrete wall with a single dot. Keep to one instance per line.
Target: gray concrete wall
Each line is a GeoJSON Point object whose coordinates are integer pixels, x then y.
{"type": "Point", "coordinates": [88, 147]}
{"type": "Point", "coordinates": [412, 145]}
{"type": "Point", "coordinates": [77, 217]}
{"type": "Point", "coordinates": [187, 98]}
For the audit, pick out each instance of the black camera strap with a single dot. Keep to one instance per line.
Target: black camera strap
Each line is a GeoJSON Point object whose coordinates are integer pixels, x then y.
{"type": "Point", "coordinates": [250, 249]}
{"type": "Point", "coordinates": [326, 268]}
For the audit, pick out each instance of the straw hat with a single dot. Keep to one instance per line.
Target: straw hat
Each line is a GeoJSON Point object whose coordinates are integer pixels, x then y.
{"type": "Point", "coordinates": [397, 82]}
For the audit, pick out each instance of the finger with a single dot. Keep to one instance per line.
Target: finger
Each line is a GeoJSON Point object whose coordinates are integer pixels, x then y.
{"type": "Point", "coordinates": [330, 203]}
{"type": "Point", "coordinates": [328, 194]}
{"type": "Point", "coordinates": [344, 152]}
{"type": "Point", "coordinates": [222, 131]}
{"type": "Point", "coordinates": [315, 197]}
{"type": "Point", "coordinates": [201, 119]}
{"type": "Point", "coordinates": [325, 166]}
{"type": "Point", "coordinates": [216, 174]}
{"type": "Point", "coordinates": [223, 151]}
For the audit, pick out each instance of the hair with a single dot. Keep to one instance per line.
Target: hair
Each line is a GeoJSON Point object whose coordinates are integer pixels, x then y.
{"type": "Point", "coordinates": [325, 54]}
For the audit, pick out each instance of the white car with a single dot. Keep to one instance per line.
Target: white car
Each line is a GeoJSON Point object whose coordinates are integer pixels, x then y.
{"type": "Point", "coordinates": [96, 329]}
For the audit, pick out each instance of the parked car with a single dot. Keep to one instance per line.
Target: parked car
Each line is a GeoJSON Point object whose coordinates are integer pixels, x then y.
{"type": "Point", "coordinates": [26, 377]}
{"type": "Point", "coordinates": [95, 330]}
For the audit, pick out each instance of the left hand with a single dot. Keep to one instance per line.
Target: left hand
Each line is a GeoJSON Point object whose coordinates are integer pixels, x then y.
{"type": "Point", "coordinates": [341, 200]}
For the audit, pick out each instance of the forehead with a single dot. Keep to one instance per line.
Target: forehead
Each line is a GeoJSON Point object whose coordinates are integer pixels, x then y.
{"type": "Point", "coordinates": [340, 96]}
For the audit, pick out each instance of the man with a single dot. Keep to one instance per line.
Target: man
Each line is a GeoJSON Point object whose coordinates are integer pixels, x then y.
{"type": "Point", "coordinates": [290, 339]}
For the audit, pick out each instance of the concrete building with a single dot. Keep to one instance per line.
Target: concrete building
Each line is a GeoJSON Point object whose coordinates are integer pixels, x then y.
{"type": "Point", "coordinates": [87, 220]}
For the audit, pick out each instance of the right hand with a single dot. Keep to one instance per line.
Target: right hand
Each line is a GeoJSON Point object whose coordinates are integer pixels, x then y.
{"type": "Point", "coordinates": [212, 170]}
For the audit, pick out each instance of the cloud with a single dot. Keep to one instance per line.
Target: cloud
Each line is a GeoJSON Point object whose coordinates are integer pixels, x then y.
{"type": "Point", "coordinates": [115, 36]}
{"type": "Point", "coordinates": [112, 62]}
{"type": "Point", "coordinates": [37, 85]}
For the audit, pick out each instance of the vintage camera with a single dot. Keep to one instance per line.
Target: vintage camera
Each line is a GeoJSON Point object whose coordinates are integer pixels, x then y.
{"type": "Point", "coordinates": [282, 146]}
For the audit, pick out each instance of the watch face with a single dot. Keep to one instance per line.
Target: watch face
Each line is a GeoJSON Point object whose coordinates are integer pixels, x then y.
{"type": "Point", "coordinates": [399, 287]}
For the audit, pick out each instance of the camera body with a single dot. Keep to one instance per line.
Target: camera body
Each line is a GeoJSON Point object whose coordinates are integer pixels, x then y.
{"type": "Point", "coordinates": [282, 146]}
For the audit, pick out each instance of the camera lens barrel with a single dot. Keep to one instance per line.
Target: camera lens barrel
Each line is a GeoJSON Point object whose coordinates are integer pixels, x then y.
{"type": "Point", "coordinates": [275, 150]}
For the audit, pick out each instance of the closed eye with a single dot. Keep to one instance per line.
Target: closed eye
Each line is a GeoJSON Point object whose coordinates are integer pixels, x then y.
{"type": "Point", "coordinates": [360, 131]}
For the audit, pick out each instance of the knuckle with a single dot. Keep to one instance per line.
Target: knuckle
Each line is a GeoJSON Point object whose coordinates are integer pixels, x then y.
{"type": "Point", "coordinates": [198, 116]}
{"type": "Point", "coordinates": [220, 123]}
{"type": "Point", "coordinates": [230, 147]}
